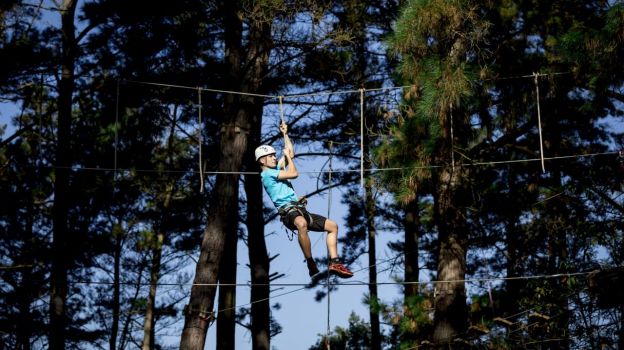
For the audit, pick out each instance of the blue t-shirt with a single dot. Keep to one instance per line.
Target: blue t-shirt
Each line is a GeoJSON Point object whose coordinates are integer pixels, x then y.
{"type": "Point", "coordinates": [280, 191]}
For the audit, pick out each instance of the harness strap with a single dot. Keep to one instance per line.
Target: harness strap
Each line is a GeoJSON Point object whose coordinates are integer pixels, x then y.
{"type": "Point", "coordinates": [297, 206]}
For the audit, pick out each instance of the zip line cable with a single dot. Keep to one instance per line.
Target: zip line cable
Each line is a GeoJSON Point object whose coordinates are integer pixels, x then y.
{"type": "Point", "coordinates": [308, 284]}
{"type": "Point", "coordinates": [281, 98]}
{"type": "Point", "coordinates": [195, 87]}
{"type": "Point", "coordinates": [320, 93]}
{"type": "Point", "coordinates": [361, 91]}
{"type": "Point", "coordinates": [304, 286]}
{"type": "Point", "coordinates": [352, 284]}
{"type": "Point", "coordinates": [480, 163]}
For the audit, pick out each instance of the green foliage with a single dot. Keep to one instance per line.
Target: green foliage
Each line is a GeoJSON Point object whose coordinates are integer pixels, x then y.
{"type": "Point", "coordinates": [132, 149]}
{"type": "Point", "coordinates": [355, 336]}
{"type": "Point", "coordinates": [410, 320]}
{"type": "Point", "coordinates": [519, 220]}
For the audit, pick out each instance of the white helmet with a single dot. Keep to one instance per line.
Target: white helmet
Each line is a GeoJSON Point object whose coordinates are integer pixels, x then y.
{"type": "Point", "coordinates": [264, 150]}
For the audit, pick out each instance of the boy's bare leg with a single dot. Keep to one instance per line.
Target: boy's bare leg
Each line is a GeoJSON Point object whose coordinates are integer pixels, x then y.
{"type": "Point", "coordinates": [332, 238]}
{"type": "Point", "coordinates": [335, 266]}
{"type": "Point", "coordinates": [303, 237]}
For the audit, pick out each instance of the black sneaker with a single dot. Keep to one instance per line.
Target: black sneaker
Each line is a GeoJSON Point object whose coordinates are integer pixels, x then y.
{"type": "Point", "coordinates": [312, 269]}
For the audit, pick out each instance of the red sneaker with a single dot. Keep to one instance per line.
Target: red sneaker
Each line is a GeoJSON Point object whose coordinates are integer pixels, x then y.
{"type": "Point", "coordinates": [340, 270]}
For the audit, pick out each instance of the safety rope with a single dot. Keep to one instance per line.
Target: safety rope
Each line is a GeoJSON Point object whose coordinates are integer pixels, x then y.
{"type": "Point", "coordinates": [329, 198]}
{"type": "Point", "coordinates": [452, 137]}
{"type": "Point", "coordinates": [281, 108]}
{"type": "Point", "coordinates": [200, 140]}
{"type": "Point", "coordinates": [116, 134]}
{"type": "Point", "coordinates": [361, 137]}
{"type": "Point", "coordinates": [539, 119]}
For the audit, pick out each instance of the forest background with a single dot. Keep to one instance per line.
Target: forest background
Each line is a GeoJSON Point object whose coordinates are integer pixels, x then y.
{"type": "Point", "coordinates": [469, 150]}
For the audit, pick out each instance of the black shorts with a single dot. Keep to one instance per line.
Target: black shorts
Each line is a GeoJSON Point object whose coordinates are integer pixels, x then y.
{"type": "Point", "coordinates": [315, 222]}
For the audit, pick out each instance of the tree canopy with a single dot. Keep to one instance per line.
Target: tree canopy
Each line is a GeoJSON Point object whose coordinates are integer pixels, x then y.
{"type": "Point", "coordinates": [482, 140]}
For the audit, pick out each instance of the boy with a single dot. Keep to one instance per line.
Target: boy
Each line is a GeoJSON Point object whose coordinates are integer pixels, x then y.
{"type": "Point", "coordinates": [276, 178]}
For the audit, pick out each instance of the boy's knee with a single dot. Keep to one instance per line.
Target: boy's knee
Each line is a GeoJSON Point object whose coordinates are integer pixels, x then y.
{"type": "Point", "coordinates": [301, 223]}
{"type": "Point", "coordinates": [331, 225]}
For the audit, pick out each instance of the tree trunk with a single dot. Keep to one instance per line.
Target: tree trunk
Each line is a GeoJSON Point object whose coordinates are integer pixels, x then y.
{"type": "Point", "coordinates": [223, 213]}
{"type": "Point", "coordinates": [223, 206]}
{"type": "Point", "coordinates": [60, 235]}
{"type": "Point", "coordinates": [126, 337]}
{"type": "Point", "coordinates": [150, 319]}
{"type": "Point", "coordinates": [116, 305]}
{"type": "Point", "coordinates": [451, 312]}
{"type": "Point", "coordinates": [356, 11]}
{"type": "Point", "coordinates": [372, 262]}
{"type": "Point", "coordinates": [515, 252]}
{"type": "Point", "coordinates": [370, 213]}
{"type": "Point", "coordinates": [156, 247]}
{"type": "Point", "coordinates": [556, 217]}
{"type": "Point", "coordinates": [226, 319]}
{"type": "Point", "coordinates": [260, 267]}
{"type": "Point", "coordinates": [620, 335]}
{"type": "Point", "coordinates": [27, 288]}
{"type": "Point", "coordinates": [258, 254]}
{"type": "Point", "coordinates": [410, 248]}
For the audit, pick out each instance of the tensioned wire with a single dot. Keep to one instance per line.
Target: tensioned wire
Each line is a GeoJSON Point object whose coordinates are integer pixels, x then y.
{"type": "Point", "coordinates": [321, 93]}
{"type": "Point", "coordinates": [329, 203]}
{"type": "Point", "coordinates": [361, 91]}
{"type": "Point", "coordinates": [304, 286]}
{"type": "Point", "coordinates": [353, 283]}
{"type": "Point", "coordinates": [476, 163]}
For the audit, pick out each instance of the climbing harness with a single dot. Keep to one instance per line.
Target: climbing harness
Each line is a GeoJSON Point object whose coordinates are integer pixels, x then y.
{"type": "Point", "coordinates": [297, 208]}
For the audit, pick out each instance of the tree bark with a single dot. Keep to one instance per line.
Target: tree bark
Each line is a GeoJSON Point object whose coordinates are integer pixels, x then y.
{"type": "Point", "coordinates": [222, 215]}
{"type": "Point", "coordinates": [223, 206]}
{"type": "Point", "coordinates": [259, 262]}
{"type": "Point", "coordinates": [149, 324]}
{"type": "Point", "coordinates": [156, 247]}
{"type": "Point", "coordinates": [260, 267]}
{"type": "Point", "coordinates": [226, 319]}
{"type": "Point", "coordinates": [355, 12]}
{"type": "Point", "coordinates": [60, 235]}
{"type": "Point", "coordinates": [620, 335]}
{"type": "Point", "coordinates": [451, 312]}
{"type": "Point", "coordinates": [515, 252]}
{"type": "Point", "coordinates": [410, 248]}
{"type": "Point", "coordinates": [223, 212]}
{"type": "Point", "coordinates": [26, 290]}
{"type": "Point", "coordinates": [370, 213]}
{"type": "Point", "coordinates": [116, 305]}
{"type": "Point", "coordinates": [556, 216]}
{"type": "Point", "coordinates": [373, 308]}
